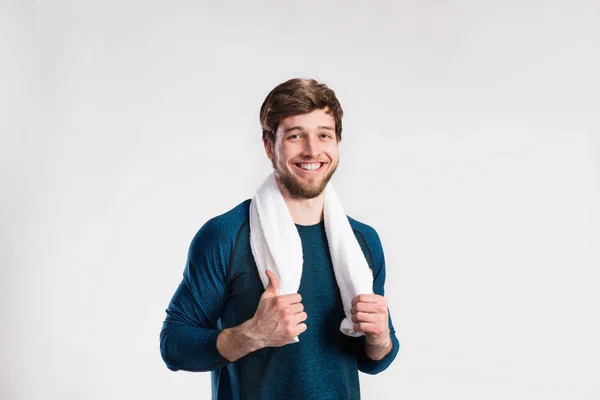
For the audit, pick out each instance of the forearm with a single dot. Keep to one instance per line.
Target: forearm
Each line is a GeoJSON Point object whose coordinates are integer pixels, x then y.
{"type": "Point", "coordinates": [190, 348]}
{"type": "Point", "coordinates": [234, 343]}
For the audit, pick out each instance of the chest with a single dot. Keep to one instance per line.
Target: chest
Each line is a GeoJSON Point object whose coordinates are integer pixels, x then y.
{"type": "Point", "coordinates": [318, 287]}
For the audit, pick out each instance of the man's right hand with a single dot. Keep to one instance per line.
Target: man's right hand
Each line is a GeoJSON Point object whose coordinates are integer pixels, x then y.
{"type": "Point", "coordinates": [276, 322]}
{"type": "Point", "coordinates": [278, 319]}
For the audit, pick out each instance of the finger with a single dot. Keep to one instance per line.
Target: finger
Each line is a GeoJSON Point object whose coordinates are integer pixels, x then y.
{"type": "Point", "coordinates": [292, 298]}
{"type": "Point", "coordinates": [296, 308]}
{"type": "Point", "coordinates": [273, 285]}
{"type": "Point", "coordinates": [372, 308]}
{"type": "Point", "coordinates": [300, 329]}
{"type": "Point", "coordinates": [367, 298]}
{"type": "Point", "coordinates": [300, 317]}
{"type": "Point", "coordinates": [364, 317]}
{"type": "Point", "coordinates": [371, 329]}
{"type": "Point", "coordinates": [365, 327]}
{"type": "Point", "coordinates": [364, 307]}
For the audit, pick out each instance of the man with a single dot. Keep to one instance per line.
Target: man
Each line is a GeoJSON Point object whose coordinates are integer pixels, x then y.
{"type": "Point", "coordinates": [222, 319]}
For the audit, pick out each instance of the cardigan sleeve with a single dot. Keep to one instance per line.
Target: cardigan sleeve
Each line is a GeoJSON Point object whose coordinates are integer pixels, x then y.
{"type": "Point", "coordinates": [375, 250]}
{"type": "Point", "coordinates": [188, 339]}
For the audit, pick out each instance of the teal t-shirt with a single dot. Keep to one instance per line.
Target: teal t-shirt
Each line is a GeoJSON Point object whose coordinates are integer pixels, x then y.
{"type": "Point", "coordinates": [221, 289]}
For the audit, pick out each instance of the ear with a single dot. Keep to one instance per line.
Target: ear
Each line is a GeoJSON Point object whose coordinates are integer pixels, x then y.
{"type": "Point", "coordinates": [268, 148]}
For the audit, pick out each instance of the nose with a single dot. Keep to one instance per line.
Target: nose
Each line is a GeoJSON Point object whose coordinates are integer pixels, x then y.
{"type": "Point", "coordinates": [311, 147]}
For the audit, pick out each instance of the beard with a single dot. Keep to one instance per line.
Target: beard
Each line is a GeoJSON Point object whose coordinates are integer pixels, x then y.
{"type": "Point", "coordinates": [298, 189]}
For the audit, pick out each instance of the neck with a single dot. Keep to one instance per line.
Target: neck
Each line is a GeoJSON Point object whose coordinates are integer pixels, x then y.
{"type": "Point", "coordinates": [304, 211]}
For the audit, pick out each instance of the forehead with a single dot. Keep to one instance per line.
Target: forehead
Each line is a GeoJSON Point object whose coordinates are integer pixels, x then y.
{"type": "Point", "coordinates": [310, 121]}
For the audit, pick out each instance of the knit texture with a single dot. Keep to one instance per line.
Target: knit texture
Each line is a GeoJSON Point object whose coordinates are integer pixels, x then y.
{"type": "Point", "coordinates": [221, 288]}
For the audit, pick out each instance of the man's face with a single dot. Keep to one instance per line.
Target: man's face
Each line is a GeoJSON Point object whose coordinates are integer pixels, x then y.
{"type": "Point", "coordinates": [305, 153]}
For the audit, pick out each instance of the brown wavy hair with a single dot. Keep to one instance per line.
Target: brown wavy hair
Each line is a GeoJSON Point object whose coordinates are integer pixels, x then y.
{"type": "Point", "coordinates": [298, 96]}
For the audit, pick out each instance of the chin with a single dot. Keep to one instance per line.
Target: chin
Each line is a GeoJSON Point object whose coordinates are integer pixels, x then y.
{"type": "Point", "coordinates": [300, 186]}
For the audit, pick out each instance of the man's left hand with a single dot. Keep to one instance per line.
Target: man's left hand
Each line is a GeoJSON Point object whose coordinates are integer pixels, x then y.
{"type": "Point", "coordinates": [370, 315]}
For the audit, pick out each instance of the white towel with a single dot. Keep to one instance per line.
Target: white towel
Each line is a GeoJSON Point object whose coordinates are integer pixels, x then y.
{"type": "Point", "coordinates": [276, 247]}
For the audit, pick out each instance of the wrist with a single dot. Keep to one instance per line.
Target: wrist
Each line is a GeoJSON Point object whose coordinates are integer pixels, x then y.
{"type": "Point", "coordinates": [388, 345]}
{"type": "Point", "coordinates": [247, 336]}
{"type": "Point", "coordinates": [376, 350]}
{"type": "Point", "coordinates": [382, 341]}
{"type": "Point", "coordinates": [234, 343]}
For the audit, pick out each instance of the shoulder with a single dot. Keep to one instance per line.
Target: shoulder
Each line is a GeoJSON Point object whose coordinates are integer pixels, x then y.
{"type": "Point", "coordinates": [368, 238]}
{"type": "Point", "coordinates": [220, 232]}
{"type": "Point", "coordinates": [366, 231]}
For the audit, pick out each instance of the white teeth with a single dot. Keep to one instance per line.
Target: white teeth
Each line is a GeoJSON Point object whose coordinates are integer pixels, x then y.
{"type": "Point", "coordinates": [310, 167]}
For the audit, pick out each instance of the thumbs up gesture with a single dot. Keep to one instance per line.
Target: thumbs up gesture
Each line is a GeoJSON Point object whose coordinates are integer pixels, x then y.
{"type": "Point", "coordinates": [278, 319]}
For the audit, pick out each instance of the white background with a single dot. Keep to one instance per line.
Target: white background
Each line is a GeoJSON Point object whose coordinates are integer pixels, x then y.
{"type": "Point", "coordinates": [471, 143]}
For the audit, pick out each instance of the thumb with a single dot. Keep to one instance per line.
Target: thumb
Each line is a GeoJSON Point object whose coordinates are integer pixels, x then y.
{"type": "Point", "coordinates": [271, 289]}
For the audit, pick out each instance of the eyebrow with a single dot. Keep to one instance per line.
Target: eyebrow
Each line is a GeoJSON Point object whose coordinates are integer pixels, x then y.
{"type": "Point", "coordinates": [299, 128]}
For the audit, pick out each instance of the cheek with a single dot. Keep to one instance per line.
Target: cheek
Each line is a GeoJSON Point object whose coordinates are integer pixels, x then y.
{"type": "Point", "coordinates": [285, 153]}
{"type": "Point", "coordinates": [333, 152]}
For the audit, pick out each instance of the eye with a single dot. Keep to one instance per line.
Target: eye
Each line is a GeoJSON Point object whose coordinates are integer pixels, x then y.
{"type": "Point", "coordinates": [326, 135]}
{"type": "Point", "coordinates": [294, 136]}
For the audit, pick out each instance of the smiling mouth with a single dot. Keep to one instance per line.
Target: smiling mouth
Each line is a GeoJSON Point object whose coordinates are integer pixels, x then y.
{"type": "Point", "coordinates": [310, 167]}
